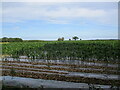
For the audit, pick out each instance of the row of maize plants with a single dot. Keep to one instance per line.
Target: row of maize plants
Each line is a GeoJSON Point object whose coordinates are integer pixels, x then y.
{"type": "Point", "coordinates": [65, 50]}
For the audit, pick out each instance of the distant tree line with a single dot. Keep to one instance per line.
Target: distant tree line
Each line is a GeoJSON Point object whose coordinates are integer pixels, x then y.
{"type": "Point", "coordinates": [74, 38]}
{"type": "Point", "coordinates": [5, 39]}
{"type": "Point", "coordinates": [33, 40]}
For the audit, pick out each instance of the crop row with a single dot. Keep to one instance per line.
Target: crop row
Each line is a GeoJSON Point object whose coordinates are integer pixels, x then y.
{"type": "Point", "coordinates": [36, 70]}
{"type": "Point", "coordinates": [69, 65]}
{"type": "Point", "coordinates": [79, 79]}
{"type": "Point", "coordinates": [79, 50]}
{"type": "Point", "coordinates": [106, 71]}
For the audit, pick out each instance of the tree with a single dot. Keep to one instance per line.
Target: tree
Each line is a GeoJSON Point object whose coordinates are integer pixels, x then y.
{"type": "Point", "coordinates": [5, 39]}
{"type": "Point", "coordinates": [61, 39]}
{"type": "Point", "coordinates": [75, 38]}
{"type": "Point", "coordinates": [17, 39]}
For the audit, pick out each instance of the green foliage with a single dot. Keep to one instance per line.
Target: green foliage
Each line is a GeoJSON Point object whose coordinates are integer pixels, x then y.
{"type": "Point", "coordinates": [33, 40]}
{"type": "Point", "coordinates": [75, 38]}
{"type": "Point", "coordinates": [104, 50]}
{"type": "Point", "coordinates": [61, 39]}
{"type": "Point", "coordinates": [5, 39]}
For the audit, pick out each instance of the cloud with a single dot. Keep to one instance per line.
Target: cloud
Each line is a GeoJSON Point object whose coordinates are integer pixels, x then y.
{"type": "Point", "coordinates": [55, 21]}
{"type": "Point", "coordinates": [73, 13]}
{"type": "Point", "coordinates": [53, 12]}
